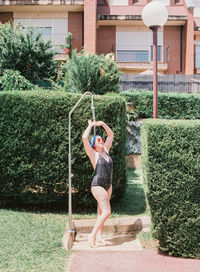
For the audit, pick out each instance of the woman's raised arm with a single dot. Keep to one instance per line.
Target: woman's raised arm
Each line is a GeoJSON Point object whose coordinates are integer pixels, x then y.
{"type": "Point", "coordinates": [87, 146]}
{"type": "Point", "coordinates": [109, 140]}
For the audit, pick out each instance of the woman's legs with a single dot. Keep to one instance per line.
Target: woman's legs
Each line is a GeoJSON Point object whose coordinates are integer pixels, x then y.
{"type": "Point", "coordinates": [99, 232]}
{"type": "Point", "coordinates": [99, 237]}
{"type": "Point", "coordinates": [103, 200]}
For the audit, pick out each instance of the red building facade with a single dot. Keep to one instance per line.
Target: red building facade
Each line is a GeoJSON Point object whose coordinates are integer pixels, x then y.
{"type": "Point", "coordinates": [116, 26]}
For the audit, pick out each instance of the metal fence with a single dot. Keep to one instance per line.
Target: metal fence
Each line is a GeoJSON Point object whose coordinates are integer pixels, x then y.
{"type": "Point", "coordinates": [166, 83]}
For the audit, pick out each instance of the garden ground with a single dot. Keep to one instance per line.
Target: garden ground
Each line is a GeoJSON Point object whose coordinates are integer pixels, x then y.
{"type": "Point", "coordinates": [32, 240]}
{"type": "Point", "coordinates": [129, 261]}
{"type": "Point", "coordinates": [136, 252]}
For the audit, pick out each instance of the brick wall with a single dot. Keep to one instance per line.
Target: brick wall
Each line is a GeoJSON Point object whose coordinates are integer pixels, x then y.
{"type": "Point", "coordinates": [189, 51]}
{"type": "Point", "coordinates": [106, 39]}
{"type": "Point", "coordinates": [172, 39]}
{"type": "Point", "coordinates": [75, 26]}
{"type": "Point", "coordinates": [90, 26]}
{"type": "Point", "coordinates": [5, 17]}
{"type": "Point", "coordinates": [184, 46]}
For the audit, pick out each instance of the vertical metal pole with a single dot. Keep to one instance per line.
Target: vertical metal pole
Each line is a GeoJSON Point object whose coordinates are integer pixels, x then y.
{"type": "Point", "coordinates": [93, 113]}
{"type": "Point", "coordinates": [70, 181]}
{"type": "Point", "coordinates": [69, 160]}
{"type": "Point", "coordinates": [155, 72]}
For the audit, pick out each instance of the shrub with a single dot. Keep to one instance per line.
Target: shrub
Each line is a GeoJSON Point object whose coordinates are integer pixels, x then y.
{"type": "Point", "coordinates": [97, 74]}
{"type": "Point", "coordinates": [13, 81]}
{"type": "Point", "coordinates": [171, 167]}
{"type": "Point", "coordinates": [25, 51]}
{"type": "Point", "coordinates": [170, 105]}
{"type": "Point", "coordinates": [34, 146]}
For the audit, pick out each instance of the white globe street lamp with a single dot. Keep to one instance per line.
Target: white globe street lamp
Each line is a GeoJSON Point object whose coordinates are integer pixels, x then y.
{"type": "Point", "coordinates": [155, 15]}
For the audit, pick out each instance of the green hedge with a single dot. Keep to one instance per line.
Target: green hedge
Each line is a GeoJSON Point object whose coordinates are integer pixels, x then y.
{"type": "Point", "coordinates": [170, 105]}
{"type": "Point", "coordinates": [34, 146]}
{"type": "Point", "coordinates": [171, 170]}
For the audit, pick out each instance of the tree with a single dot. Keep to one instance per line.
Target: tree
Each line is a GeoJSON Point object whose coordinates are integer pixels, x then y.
{"type": "Point", "coordinates": [97, 74]}
{"type": "Point", "coordinates": [25, 51]}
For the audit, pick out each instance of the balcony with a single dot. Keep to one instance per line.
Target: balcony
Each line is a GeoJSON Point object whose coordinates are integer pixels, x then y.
{"type": "Point", "coordinates": [41, 2]}
{"type": "Point", "coordinates": [138, 67]}
{"type": "Point", "coordinates": [137, 60]}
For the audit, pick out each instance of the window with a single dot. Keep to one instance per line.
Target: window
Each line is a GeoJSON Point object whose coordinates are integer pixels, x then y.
{"type": "Point", "coordinates": [53, 29]}
{"type": "Point", "coordinates": [165, 2]}
{"type": "Point", "coordinates": [118, 2]}
{"type": "Point", "coordinates": [133, 44]}
{"type": "Point", "coordinates": [46, 32]}
{"type": "Point", "coordinates": [132, 56]}
{"type": "Point", "coordinates": [168, 54]}
{"type": "Point", "coordinates": [197, 56]}
{"type": "Point", "coordinates": [159, 56]}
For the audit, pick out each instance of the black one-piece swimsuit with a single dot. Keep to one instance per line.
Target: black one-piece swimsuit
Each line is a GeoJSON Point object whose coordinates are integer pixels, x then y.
{"type": "Point", "coordinates": [103, 172]}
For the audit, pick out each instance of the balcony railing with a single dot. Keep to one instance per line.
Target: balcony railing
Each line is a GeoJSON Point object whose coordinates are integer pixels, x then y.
{"type": "Point", "coordinates": [41, 2]}
{"type": "Point", "coordinates": [132, 56]}
{"type": "Point", "coordinates": [137, 55]}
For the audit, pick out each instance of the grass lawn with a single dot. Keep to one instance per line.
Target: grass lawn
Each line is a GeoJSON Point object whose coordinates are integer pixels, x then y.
{"type": "Point", "coordinates": [147, 241]}
{"type": "Point", "coordinates": [32, 241]}
{"type": "Point", "coordinates": [133, 201]}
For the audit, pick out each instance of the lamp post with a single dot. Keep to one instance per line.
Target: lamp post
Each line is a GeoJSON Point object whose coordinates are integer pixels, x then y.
{"type": "Point", "coordinates": [154, 15]}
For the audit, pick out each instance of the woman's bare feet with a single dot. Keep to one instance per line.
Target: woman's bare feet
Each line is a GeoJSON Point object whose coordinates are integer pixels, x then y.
{"type": "Point", "coordinates": [102, 241]}
{"type": "Point", "coordinates": [91, 241]}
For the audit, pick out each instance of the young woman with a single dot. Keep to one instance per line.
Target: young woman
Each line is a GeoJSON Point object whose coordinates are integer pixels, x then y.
{"type": "Point", "coordinates": [101, 187]}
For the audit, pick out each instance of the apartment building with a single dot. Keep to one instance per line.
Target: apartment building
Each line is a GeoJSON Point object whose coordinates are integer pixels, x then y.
{"type": "Point", "coordinates": [105, 26]}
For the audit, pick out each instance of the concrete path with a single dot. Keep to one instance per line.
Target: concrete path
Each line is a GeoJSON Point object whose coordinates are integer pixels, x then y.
{"type": "Point", "coordinates": [114, 243]}
{"type": "Point", "coordinates": [124, 252]}
{"type": "Point", "coordinates": [127, 261]}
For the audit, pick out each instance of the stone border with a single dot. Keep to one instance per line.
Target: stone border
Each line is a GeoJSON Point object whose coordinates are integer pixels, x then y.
{"type": "Point", "coordinates": [122, 225]}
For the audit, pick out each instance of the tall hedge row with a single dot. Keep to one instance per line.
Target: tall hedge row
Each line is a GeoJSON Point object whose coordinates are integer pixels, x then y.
{"type": "Point", "coordinates": [34, 146]}
{"type": "Point", "coordinates": [170, 105]}
{"type": "Point", "coordinates": [171, 170]}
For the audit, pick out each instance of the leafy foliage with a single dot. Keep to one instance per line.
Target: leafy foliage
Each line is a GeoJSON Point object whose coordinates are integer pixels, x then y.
{"type": "Point", "coordinates": [170, 105]}
{"type": "Point", "coordinates": [25, 51]}
{"type": "Point", "coordinates": [34, 146]}
{"type": "Point", "coordinates": [13, 81]}
{"type": "Point", "coordinates": [68, 41]}
{"type": "Point", "coordinates": [97, 74]}
{"type": "Point", "coordinates": [171, 167]}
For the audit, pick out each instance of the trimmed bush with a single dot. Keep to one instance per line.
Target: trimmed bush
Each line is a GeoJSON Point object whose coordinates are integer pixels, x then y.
{"type": "Point", "coordinates": [34, 146]}
{"type": "Point", "coordinates": [170, 105]}
{"type": "Point", "coordinates": [171, 167]}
